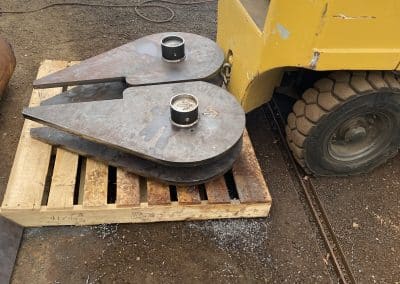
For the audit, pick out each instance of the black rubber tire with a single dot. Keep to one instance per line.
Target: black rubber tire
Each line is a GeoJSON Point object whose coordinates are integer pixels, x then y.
{"type": "Point", "coordinates": [333, 100]}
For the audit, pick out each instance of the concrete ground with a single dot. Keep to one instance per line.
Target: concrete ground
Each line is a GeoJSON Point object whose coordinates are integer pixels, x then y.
{"type": "Point", "coordinates": [364, 210]}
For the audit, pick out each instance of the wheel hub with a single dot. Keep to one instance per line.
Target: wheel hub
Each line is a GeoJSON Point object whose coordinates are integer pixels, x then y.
{"type": "Point", "coordinates": [359, 136]}
{"type": "Point", "coordinates": [355, 134]}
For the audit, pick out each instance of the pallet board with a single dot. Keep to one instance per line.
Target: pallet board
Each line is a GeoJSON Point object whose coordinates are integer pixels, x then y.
{"type": "Point", "coordinates": [50, 186]}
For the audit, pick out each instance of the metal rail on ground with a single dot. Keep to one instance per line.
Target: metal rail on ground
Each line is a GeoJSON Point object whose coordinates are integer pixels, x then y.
{"type": "Point", "coordinates": [336, 256]}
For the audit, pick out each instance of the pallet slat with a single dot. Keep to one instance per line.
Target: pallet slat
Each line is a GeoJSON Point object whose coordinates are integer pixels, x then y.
{"type": "Point", "coordinates": [28, 173]}
{"type": "Point", "coordinates": [143, 214]}
{"type": "Point", "coordinates": [217, 191]}
{"type": "Point", "coordinates": [62, 187]}
{"type": "Point", "coordinates": [96, 183]}
{"type": "Point", "coordinates": [248, 176]}
{"type": "Point", "coordinates": [158, 193]}
{"type": "Point", "coordinates": [188, 195]}
{"type": "Point", "coordinates": [128, 189]}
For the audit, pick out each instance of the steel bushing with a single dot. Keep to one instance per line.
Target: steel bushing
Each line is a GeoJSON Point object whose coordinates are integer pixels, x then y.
{"type": "Point", "coordinates": [173, 48]}
{"type": "Point", "coordinates": [184, 110]}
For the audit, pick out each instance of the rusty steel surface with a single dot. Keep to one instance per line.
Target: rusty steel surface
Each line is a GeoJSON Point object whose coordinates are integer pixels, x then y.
{"type": "Point", "coordinates": [7, 64]}
{"type": "Point", "coordinates": [114, 157]}
{"type": "Point", "coordinates": [140, 124]}
{"type": "Point", "coordinates": [10, 239]}
{"type": "Point", "coordinates": [88, 93]}
{"type": "Point", "coordinates": [140, 63]}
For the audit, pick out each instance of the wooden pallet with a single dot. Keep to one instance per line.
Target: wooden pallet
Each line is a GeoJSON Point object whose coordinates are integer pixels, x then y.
{"type": "Point", "coordinates": [50, 186]}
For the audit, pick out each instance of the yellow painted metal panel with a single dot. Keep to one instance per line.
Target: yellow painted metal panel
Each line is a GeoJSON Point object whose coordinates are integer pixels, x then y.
{"type": "Point", "coordinates": [314, 34]}
{"type": "Point", "coordinates": [361, 24]}
{"type": "Point", "coordinates": [238, 33]}
{"type": "Point", "coordinates": [358, 59]}
{"type": "Point", "coordinates": [260, 90]}
{"type": "Point", "coordinates": [290, 32]}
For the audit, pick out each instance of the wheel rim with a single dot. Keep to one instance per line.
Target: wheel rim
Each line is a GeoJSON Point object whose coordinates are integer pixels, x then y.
{"type": "Point", "coordinates": [360, 136]}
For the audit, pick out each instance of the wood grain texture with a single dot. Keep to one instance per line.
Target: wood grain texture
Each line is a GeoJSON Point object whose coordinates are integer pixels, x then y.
{"type": "Point", "coordinates": [96, 183]}
{"type": "Point", "coordinates": [141, 214]}
{"type": "Point", "coordinates": [28, 173]}
{"type": "Point", "coordinates": [217, 191]}
{"type": "Point", "coordinates": [188, 195]}
{"type": "Point", "coordinates": [62, 187]}
{"type": "Point", "coordinates": [250, 183]}
{"type": "Point", "coordinates": [128, 189]}
{"type": "Point", "coordinates": [157, 193]}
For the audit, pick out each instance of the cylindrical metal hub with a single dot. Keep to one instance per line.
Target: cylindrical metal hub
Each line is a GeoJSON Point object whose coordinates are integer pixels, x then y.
{"type": "Point", "coordinates": [173, 48]}
{"type": "Point", "coordinates": [184, 110]}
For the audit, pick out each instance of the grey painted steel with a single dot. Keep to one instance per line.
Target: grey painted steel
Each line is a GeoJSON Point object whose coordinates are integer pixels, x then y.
{"type": "Point", "coordinates": [139, 124]}
{"type": "Point", "coordinates": [140, 63]}
{"type": "Point", "coordinates": [88, 93]}
{"type": "Point", "coordinates": [10, 239]}
{"type": "Point", "coordinates": [139, 166]}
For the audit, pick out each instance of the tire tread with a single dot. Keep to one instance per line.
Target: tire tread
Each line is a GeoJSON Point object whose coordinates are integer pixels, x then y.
{"type": "Point", "coordinates": [327, 95]}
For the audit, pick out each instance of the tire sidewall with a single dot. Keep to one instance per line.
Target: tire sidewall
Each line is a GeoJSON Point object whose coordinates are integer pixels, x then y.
{"type": "Point", "coordinates": [316, 154]}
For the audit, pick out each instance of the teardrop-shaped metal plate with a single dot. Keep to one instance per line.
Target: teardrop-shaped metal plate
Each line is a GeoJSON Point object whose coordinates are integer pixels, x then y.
{"type": "Point", "coordinates": [140, 63]}
{"type": "Point", "coordinates": [139, 124]}
{"type": "Point", "coordinates": [114, 157]}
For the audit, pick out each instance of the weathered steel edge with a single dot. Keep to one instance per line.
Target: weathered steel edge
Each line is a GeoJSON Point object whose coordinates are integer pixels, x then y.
{"type": "Point", "coordinates": [10, 239]}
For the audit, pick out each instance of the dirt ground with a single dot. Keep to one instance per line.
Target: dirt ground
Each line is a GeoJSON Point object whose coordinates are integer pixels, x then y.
{"type": "Point", "coordinates": [364, 210]}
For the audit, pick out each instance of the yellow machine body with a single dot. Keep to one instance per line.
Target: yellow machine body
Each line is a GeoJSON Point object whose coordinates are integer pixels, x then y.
{"type": "Point", "coordinates": [263, 38]}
